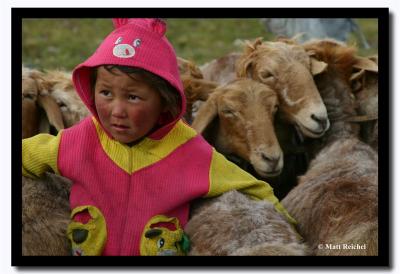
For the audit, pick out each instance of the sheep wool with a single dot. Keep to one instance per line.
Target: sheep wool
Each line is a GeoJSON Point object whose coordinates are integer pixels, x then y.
{"type": "Point", "coordinates": [118, 189]}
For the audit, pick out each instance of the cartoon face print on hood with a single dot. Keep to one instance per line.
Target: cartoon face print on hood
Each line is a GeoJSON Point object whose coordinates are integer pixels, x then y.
{"type": "Point", "coordinates": [135, 42]}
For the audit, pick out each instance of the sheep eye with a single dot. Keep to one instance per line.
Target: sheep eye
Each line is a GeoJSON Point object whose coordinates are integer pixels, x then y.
{"type": "Point", "coordinates": [160, 243]}
{"type": "Point", "coordinates": [266, 75]}
{"type": "Point", "coordinates": [29, 96]}
{"type": "Point", "coordinates": [228, 112]}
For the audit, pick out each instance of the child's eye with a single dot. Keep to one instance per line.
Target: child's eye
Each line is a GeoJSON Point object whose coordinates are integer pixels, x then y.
{"type": "Point", "coordinates": [106, 93]}
{"type": "Point", "coordinates": [133, 97]}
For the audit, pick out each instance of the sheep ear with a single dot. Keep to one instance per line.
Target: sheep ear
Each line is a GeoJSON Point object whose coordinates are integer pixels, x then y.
{"type": "Point", "coordinates": [52, 110]}
{"type": "Point", "coordinates": [206, 114]}
{"type": "Point", "coordinates": [252, 46]}
{"type": "Point", "coordinates": [317, 67]}
{"type": "Point", "coordinates": [357, 75]}
{"type": "Point", "coordinates": [197, 89]}
{"type": "Point", "coordinates": [365, 64]}
{"type": "Point", "coordinates": [245, 63]}
{"type": "Point", "coordinates": [244, 67]}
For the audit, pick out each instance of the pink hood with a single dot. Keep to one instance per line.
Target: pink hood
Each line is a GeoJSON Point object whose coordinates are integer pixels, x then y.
{"type": "Point", "coordinates": [135, 42]}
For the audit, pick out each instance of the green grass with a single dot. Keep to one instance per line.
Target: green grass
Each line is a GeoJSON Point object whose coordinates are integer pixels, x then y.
{"type": "Point", "coordinates": [65, 43]}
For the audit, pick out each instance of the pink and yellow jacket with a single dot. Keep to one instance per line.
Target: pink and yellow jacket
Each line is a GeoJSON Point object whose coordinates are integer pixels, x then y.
{"type": "Point", "coordinates": [130, 185]}
{"type": "Point", "coordinates": [120, 192]}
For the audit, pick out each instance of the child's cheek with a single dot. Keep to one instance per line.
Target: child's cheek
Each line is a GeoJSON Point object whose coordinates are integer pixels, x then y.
{"type": "Point", "coordinates": [102, 110]}
{"type": "Point", "coordinates": [139, 117]}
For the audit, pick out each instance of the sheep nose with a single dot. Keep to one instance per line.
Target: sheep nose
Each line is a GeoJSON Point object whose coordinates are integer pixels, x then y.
{"type": "Point", "coordinates": [273, 161]}
{"type": "Point", "coordinates": [322, 121]}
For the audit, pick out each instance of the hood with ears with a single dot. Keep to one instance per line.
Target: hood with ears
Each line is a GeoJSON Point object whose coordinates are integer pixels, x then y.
{"type": "Point", "coordinates": [135, 42]}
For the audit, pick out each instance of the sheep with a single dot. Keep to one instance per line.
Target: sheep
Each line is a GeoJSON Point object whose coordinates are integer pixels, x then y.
{"type": "Point", "coordinates": [196, 88]}
{"type": "Point", "coordinates": [287, 68]}
{"type": "Point", "coordinates": [278, 58]}
{"type": "Point", "coordinates": [221, 70]}
{"type": "Point", "coordinates": [45, 216]}
{"type": "Point", "coordinates": [52, 91]}
{"type": "Point", "coordinates": [335, 86]}
{"type": "Point", "coordinates": [365, 87]}
{"type": "Point", "coordinates": [35, 97]}
{"type": "Point", "coordinates": [45, 203]}
{"type": "Point", "coordinates": [62, 90]}
{"type": "Point", "coordinates": [238, 119]}
{"type": "Point", "coordinates": [336, 201]}
{"type": "Point", "coordinates": [234, 225]}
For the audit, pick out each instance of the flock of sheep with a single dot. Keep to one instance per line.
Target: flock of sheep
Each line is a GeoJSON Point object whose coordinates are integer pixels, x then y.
{"type": "Point", "coordinates": [302, 117]}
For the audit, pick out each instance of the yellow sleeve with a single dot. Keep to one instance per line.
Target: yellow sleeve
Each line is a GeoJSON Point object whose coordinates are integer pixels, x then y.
{"type": "Point", "coordinates": [226, 176]}
{"type": "Point", "coordinates": [39, 154]}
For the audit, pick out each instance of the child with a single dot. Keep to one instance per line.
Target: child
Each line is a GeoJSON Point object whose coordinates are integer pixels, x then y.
{"type": "Point", "coordinates": [135, 165]}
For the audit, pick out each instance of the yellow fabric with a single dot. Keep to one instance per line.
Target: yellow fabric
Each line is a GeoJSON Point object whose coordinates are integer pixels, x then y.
{"type": "Point", "coordinates": [226, 176]}
{"type": "Point", "coordinates": [39, 154]}
{"type": "Point", "coordinates": [150, 246]}
{"type": "Point", "coordinates": [148, 151]}
{"type": "Point", "coordinates": [96, 239]}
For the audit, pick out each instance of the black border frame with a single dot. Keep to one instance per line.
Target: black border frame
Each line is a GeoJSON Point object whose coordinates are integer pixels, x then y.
{"type": "Point", "coordinates": [385, 187]}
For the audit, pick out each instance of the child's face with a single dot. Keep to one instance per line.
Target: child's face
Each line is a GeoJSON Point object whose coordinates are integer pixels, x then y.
{"type": "Point", "coordinates": [128, 109]}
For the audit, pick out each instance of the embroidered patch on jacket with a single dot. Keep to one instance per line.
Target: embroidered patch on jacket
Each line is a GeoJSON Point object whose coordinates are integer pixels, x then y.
{"type": "Point", "coordinates": [87, 237]}
{"type": "Point", "coordinates": [125, 50]}
{"type": "Point", "coordinates": [163, 236]}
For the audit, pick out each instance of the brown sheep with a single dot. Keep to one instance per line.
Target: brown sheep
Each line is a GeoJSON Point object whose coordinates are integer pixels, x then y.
{"type": "Point", "coordinates": [45, 204]}
{"type": "Point", "coordinates": [45, 216]}
{"type": "Point", "coordinates": [288, 69]}
{"type": "Point", "coordinates": [196, 88]}
{"type": "Point", "coordinates": [238, 119]}
{"type": "Point", "coordinates": [285, 54]}
{"type": "Point", "coordinates": [234, 225]}
{"type": "Point", "coordinates": [336, 202]}
{"type": "Point", "coordinates": [53, 92]}
{"type": "Point", "coordinates": [221, 70]}
{"type": "Point", "coordinates": [34, 98]}
{"type": "Point", "coordinates": [365, 87]}
{"type": "Point", "coordinates": [62, 90]}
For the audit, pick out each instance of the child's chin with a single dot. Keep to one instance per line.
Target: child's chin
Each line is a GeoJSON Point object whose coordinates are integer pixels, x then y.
{"type": "Point", "coordinates": [125, 140]}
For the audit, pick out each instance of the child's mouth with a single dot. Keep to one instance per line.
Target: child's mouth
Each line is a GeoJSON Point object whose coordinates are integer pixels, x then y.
{"type": "Point", "coordinates": [119, 127]}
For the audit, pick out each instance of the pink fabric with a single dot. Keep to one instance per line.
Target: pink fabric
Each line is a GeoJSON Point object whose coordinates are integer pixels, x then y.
{"type": "Point", "coordinates": [136, 42]}
{"type": "Point", "coordinates": [128, 201]}
{"type": "Point", "coordinates": [82, 217]}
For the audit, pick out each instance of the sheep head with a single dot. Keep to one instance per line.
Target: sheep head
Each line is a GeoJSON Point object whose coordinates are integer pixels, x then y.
{"type": "Point", "coordinates": [288, 69]}
{"type": "Point", "coordinates": [365, 80]}
{"type": "Point", "coordinates": [245, 111]}
{"type": "Point", "coordinates": [195, 87]}
{"type": "Point", "coordinates": [34, 98]}
{"type": "Point", "coordinates": [62, 90]}
{"type": "Point", "coordinates": [221, 70]}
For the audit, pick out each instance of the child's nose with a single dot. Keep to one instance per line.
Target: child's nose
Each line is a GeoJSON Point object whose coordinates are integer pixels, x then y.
{"type": "Point", "coordinates": [119, 110]}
